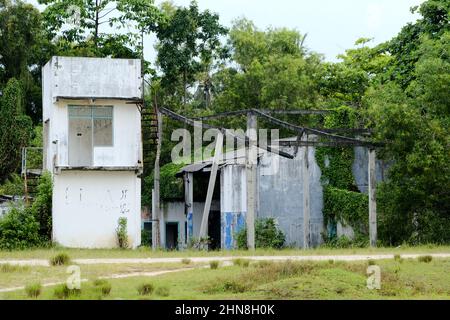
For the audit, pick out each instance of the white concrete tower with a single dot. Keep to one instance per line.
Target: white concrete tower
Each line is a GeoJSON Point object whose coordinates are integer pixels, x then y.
{"type": "Point", "coordinates": [93, 148]}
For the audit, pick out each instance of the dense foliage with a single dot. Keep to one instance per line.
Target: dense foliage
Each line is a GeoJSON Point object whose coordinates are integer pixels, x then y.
{"type": "Point", "coordinates": [267, 235]}
{"type": "Point", "coordinates": [15, 128]}
{"type": "Point", "coordinates": [399, 89]}
{"type": "Point", "coordinates": [19, 230]}
{"type": "Point", "coordinates": [41, 208]}
{"type": "Point", "coordinates": [24, 227]}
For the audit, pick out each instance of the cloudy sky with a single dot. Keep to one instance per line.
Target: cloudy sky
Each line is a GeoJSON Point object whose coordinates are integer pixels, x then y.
{"type": "Point", "coordinates": [332, 25]}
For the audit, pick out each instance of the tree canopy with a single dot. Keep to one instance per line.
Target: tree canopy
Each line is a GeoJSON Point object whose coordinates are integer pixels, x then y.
{"type": "Point", "coordinates": [400, 89]}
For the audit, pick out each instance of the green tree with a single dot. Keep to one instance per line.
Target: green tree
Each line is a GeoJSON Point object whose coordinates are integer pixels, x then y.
{"type": "Point", "coordinates": [414, 123]}
{"type": "Point", "coordinates": [76, 28]}
{"type": "Point", "coordinates": [434, 22]}
{"type": "Point", "coordinates": [271, 69]}
{"type": "Point", "coordinates": [81, 20]}
{"type": "Point", "coordinates": [188, 44]}
{"type": "Point", "coordinates": [21, 38]}
{"type": "Point", "coordinates": [15, 128]}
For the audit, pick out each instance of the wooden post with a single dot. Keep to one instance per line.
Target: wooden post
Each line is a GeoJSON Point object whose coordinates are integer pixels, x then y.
{"type": "Point", "coordinates": [189, 204]}
{"type": "Point", "coordinates": [251, 170]}
{"type": "Point", "coordinates": [306, 198]}
{"type": "Point", "coordinates": [156, 212]}
{"type": "Point", "coordinates": [212, 182]}
{"type": "Point", "coordinates": [372, 199]}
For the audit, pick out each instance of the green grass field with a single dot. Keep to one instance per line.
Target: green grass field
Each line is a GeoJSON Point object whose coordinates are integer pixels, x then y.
{"type": "Point", "coordinates": [148, 253]}
{"type": "Point", "coordinates": [400, 279]}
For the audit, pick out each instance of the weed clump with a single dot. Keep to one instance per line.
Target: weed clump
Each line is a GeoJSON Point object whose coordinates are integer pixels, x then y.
{"type": "Point", "coordinates": [241, 262]}
{"type": "Point", "coordinates": [186, 261]}
{"type": "Point", "coordinates": [103, 286]}
{"type": "Point", "coordinates": [63, 292]}
{"type": "Point", "coordinates": [60, 259]}
{"type": "Point", "coordinates": [33, 290]}
{"type": "Point", "coordinates": [425, 259]}
{"type": "Point", "coordinates": [214, 264]}
{"type": "Point", "coordinates": [145, 289]}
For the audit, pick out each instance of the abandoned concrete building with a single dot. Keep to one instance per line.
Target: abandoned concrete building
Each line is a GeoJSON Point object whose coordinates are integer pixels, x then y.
{"type": "Point", "coordinates": [92, 147]}
{"type": "Point", "coordinates": [280, 187]}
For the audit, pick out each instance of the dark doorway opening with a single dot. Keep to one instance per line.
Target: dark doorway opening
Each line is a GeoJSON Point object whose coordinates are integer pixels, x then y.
{"type": "Point", "coordinates": [214, 230]}
{"type": "Point", "coordinates": [172, 235]}
{"type": "Point", "coordinates": [146, 239]}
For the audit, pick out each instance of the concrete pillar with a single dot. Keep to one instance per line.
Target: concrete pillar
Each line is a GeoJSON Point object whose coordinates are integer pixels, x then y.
{"type": "Point", "coordinates": [372, 199]}
{"type": "Point", "coordinates": [306, 198]}
{"type": "Point", "coordinates": [189, 204]}
{"type": "Point", "coordinates": [251, 165]}
{"type": "Point", "coordinates": [156, 205]}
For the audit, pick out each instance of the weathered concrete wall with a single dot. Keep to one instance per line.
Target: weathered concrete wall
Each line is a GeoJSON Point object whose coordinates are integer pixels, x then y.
{"type": "Point", "coordinates": [173, 211]}
{"type": "Point", "coordinates": [281, 195]}
{"type": "Point", "coordinates": [360, 169]}
{"type": "Point", "coordinates": [88, 204]}
{"type": "Point", "coordinates": [94, 77]}
{"type": "Point", "coordinates": [233, 203]}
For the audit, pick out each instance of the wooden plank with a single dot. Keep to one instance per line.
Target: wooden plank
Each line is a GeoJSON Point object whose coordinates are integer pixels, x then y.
{"type": "Point", "coordinates": [372, 199]}
{"type": "Point", "coordinates": [212, 182]}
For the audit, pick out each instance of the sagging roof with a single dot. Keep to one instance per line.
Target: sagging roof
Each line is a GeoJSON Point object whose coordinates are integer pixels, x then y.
{"type": "Point", "coordinates": [235, 157]}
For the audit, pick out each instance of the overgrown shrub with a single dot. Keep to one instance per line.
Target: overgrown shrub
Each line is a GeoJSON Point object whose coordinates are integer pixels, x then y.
{"type": "Point", "coordinates": [19, 230]}
{"type": "Point", "coordinates": [41, 208]}
{"type": "Point", "coordinates": [145, 289]}
{"type": "Point", "coordinates": [62, 291]}
{"type": "Point", "coordinates": [425, 259]}
{"type": "Point", "coordinates": [122, 234]}
{"type": "Point", "coordinates": [33, 290]}
{"type": "Point", "coordinates": [13, 186]}
{"type": "Point", "coordinates": [343, 242]}
{"type": "Point", "coordinates": [267, 235]}
{"type": "Point", "coordinates": [60, 259]}
{"type": "Point", "coordinates": [103, 286]}
{"type": "Point", "coordinates": [241, 262]}
{"type": "Point", "coordinates": [146, 238]}
{"type": "Point", "coordinates": [199, 243]}
{"type": "Point", "coordinates": [234, 286]}
{"type": "Point", "coordinates": [171, 186]}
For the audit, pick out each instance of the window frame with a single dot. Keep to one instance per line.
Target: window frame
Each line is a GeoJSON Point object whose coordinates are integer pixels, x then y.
{"type": "Point", "coordinates": [92, 118]}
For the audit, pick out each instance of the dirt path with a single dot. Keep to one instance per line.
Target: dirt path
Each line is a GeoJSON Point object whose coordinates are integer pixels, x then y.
{"type": "Point", "coordinates": [112, 276]}
{"type": "Point", "coordinates": [42, 262]}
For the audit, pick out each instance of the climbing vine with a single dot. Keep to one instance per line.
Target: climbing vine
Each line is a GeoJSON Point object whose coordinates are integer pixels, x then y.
{"type": "Point", "coordinates": [342, 201]}
{"type": "Point", "coordinates": [171, 186]}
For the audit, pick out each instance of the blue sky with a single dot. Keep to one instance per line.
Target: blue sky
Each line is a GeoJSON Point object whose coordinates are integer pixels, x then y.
{"type": "Point", "coordinates": [332, 25]}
